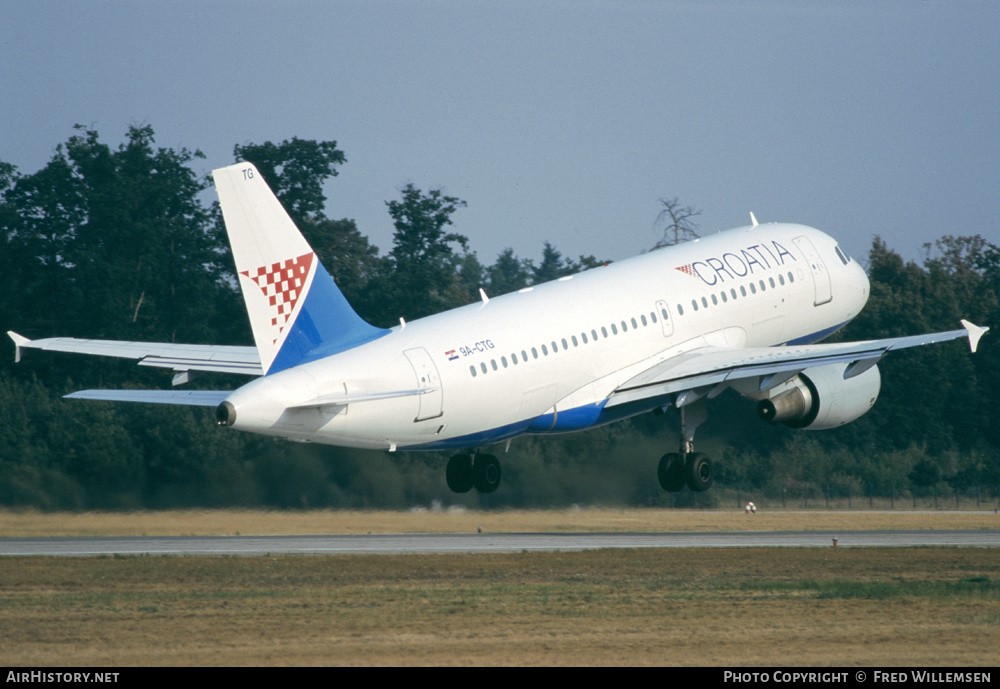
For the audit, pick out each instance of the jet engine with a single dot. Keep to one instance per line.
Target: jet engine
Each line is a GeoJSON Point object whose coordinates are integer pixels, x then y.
{"type": "Point", "coordinates": [821, 398]}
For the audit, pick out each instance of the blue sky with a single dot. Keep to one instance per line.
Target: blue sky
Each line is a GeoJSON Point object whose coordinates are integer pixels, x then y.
{"type": "Point", "coordinates": [560, 121]}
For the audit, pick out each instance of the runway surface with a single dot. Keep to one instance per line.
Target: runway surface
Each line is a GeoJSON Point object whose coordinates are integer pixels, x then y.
{"type": "Point", "coordinates": [387, 544]}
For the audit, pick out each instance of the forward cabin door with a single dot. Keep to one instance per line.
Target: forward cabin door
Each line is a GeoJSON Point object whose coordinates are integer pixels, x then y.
{"type": "Point", "coordinates": [821, 276]}
{"type": "Point", "coordinates": [427, 377]}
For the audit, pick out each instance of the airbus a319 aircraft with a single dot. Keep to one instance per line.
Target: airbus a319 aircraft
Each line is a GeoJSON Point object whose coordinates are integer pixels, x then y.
{"type": "Point", "coordinates": [671, 328]}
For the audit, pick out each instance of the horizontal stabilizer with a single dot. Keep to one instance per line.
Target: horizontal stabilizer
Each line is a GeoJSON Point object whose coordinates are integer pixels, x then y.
{"type": "Point", "coordinates": [178, 357]}
{"type": "Point", "coordinates": [190, 398]}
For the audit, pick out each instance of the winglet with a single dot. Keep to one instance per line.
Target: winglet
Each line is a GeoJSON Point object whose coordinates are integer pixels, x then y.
{"type": "Point", "coordinates": [19, 341]}
{"type": "Point", "coordinates": [975, 332]}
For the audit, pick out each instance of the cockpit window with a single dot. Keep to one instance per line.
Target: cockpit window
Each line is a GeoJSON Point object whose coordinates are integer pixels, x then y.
{"type": "Point", "coordinates": [842, 256]}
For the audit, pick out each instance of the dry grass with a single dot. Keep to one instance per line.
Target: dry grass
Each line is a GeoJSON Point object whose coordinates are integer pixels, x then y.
{"type": "Point", "coordinates": [927, 606]}
{"type": "Point", "coordinates": [768, 606]}
{"type": "Point", "coordinates": [32, 523]}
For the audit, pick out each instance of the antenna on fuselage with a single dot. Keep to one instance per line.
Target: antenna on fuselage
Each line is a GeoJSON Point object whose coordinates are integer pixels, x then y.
{"type": "Point", "coordinates": [753, 219]}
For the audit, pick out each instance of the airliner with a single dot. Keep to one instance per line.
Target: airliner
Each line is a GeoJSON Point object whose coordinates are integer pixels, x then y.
{"type": "Point", "coordinates": [669, 329]}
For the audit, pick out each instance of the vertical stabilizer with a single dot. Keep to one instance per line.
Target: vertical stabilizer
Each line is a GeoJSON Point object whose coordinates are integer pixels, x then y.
{"type": "Point", "coordinates": [297, 312]}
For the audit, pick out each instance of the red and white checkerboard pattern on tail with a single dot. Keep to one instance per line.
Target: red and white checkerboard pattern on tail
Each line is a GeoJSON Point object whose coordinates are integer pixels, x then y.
{"type": "Point", "coordinates": [282, 283]}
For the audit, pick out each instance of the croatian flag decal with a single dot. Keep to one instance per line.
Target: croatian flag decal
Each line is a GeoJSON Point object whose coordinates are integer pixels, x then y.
{"type": "Point", "coordinates": [451, 355]}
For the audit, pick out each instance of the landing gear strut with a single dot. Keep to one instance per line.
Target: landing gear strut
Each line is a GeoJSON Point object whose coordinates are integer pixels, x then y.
{"type": "Point", "coordinates": [687, 467]}
{"type": "Point", "coordinates": [468, 471]}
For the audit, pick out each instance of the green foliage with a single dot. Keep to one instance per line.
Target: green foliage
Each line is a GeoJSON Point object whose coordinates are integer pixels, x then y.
{"type": "Point", "coordinates": [117, 243]}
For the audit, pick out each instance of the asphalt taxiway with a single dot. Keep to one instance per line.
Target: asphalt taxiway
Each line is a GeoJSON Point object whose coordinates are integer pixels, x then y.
{"type": "Point", "coordinates": [480, 542]}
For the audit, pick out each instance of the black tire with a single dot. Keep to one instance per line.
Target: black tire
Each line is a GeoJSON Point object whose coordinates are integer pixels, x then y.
{"type": "Point", "coordinates": [486, 473]}
{"type": "Point", "coordinates": [698, 472]}
{"type": "Point", "coordinates": [459, 474]}
{"type": "Point", "coordinates": [671, 472]}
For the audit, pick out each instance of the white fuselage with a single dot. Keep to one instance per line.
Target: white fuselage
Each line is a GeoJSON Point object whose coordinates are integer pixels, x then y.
{"type": "Point", "coordinates": [546, 359]}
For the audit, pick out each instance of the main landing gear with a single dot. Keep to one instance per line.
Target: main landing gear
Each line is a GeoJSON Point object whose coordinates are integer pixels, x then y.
{"type": "Point", "coordinates": [478, 471]}
{"type": "Point", "coordinates": [687, 467]}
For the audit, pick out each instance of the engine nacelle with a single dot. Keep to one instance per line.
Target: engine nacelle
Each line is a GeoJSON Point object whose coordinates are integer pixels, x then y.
{"type": "Point", "coordinates": [821, 398]}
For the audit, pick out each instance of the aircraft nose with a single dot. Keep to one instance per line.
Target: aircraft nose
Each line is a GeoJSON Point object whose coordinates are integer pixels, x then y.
{"type": "Point", "coordinates": [860, 278]}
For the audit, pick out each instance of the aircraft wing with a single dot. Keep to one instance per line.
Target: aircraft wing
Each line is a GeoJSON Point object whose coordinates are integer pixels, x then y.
{"type": "Point", "coordinates": [709, 370]}
{"type": "Point", "coordinates": [181, 358]}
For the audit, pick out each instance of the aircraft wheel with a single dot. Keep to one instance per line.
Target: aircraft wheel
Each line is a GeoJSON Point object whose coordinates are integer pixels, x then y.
{"type": "Point", "coordinates": [671, 472]}
{"type": "Point", "coordinates": [486, 473]}
{"type": "Point", "coordinates": [459, 473]}
{"type": "Point", "coordinates": [698, 472]}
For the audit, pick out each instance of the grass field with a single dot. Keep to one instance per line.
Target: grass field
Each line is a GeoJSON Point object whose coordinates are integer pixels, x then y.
{"type": "Point", "coordinates": [927, 606]}
{"type": "Point", "coordinates": [732, 607]}
{"type": "Point", "coordinates": [27, 523]}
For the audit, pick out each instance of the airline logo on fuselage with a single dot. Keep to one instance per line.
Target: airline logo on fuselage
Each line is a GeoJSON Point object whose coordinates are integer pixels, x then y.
{"type": "Point", "coordinates": [734, 265]}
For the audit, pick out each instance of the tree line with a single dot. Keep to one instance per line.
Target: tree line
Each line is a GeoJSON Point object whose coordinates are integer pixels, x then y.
{"type": "Point", "coordinates": [127, 243]}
